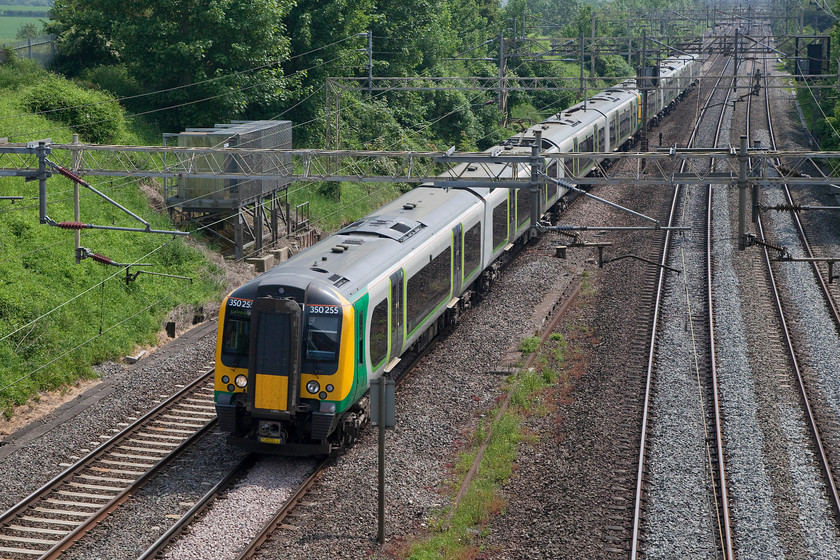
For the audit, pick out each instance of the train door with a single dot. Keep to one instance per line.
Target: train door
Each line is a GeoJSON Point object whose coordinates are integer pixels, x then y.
{"type": "Point", "coordinates": [511, 205]}
{"type": "Point", "coordinates": [457, 277]}
{"type": "Point", "coordinates": [274, 361]}
{"type": "Point", "coordinates": [360, 309]}
{"type": "Point", "coordinates": [396, 313]}
{"type": "Point", "coordinates": [614, 137]}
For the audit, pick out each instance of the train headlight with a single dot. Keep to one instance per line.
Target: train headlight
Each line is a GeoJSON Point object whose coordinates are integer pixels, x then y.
{"type": "Point", "coordinates": [329, 388]}
{"type": "Point", "coordinates": [313, 387]}
{"type": "Point", "coordinates": [241, 381]}
{"type": "Point", "coordinates": [225, 379]}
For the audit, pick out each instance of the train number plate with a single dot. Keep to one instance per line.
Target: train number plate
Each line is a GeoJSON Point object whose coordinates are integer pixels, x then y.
{"type": "Point", "coordinates": [270, 440]}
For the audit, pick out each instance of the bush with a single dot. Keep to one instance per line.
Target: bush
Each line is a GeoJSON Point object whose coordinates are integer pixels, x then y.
{"type": "Point", "coordinates": [95, 116]}
{"type": "Point", "coordinates": [7, 54]}
{"type": "Point", "coordinates": [17, 72]}
{"type": "Point", "coordinates": [114, 79]}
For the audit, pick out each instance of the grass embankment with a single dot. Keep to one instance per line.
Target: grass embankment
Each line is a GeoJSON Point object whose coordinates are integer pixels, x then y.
{"type": "Point", "coordinates": [57, 317]}
{"type": "Point", "coordinates": [459, 532]}
{"type": "Point", "coordinates": [330, 211]}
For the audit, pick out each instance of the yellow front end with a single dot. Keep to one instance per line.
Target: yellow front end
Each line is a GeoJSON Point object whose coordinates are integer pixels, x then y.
{"type": "Point", "coordinates": [271, 392]}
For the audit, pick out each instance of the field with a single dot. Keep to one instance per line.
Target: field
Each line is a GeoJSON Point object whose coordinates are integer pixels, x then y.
{"type": "Point", "coordinates": [21, 7]}
{"type": "Point", "coordinates": [10, 25]}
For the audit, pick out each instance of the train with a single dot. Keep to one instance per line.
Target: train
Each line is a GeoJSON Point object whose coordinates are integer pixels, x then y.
{"type": "Point", "coordinates": [298, 346]}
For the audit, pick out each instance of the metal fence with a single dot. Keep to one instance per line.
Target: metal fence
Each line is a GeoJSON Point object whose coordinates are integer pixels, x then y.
{"type": "Point", "coordinates": [41, 49]}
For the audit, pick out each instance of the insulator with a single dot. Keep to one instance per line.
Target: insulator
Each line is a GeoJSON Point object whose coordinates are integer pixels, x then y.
{"type": "Point", "coordinates": [101, 258]}
{"type": "Point", "coordinates": [70, 175]}
{"type": "Point", "coordinates": [786, 207]}
{"type": "Point", "coordinates": [72, 225]}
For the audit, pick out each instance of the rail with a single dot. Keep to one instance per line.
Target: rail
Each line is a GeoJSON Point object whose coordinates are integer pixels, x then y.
{"type": "Point", "coordinates": [646, 409]}
{"type": "Point", "coordinates": [51, 519]}
{"type": "Point", "coordinates": [825, 465]}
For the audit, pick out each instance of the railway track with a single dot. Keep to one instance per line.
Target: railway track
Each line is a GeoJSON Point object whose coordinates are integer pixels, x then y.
{"type": "Point", "coordinates": [714, 443]}
{"type": "Point", "coordinates": [821, 447]}
{"type": "Point", "coordinates": [721, 487]}
{"type": "Point", "coordinates": [51, 519]}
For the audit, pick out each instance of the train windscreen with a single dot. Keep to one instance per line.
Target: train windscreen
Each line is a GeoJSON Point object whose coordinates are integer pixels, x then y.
{"type": "Point", "coordinates": [322, 338]}
{"type": "Point", "coordinates": [236, 337]}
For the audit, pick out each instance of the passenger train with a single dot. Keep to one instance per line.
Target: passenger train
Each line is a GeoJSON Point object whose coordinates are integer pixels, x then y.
{"type": "Point", "coordinates": [299, 345]}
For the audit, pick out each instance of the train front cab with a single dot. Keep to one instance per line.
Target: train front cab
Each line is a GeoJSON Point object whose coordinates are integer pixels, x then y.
{"type": "Point", "coordinates": [300, 374]}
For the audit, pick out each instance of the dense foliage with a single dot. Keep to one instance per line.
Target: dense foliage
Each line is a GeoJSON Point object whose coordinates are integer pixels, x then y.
{"type": "Point", "coordinates": [826, 116]}
{"type": "Point", "coordinates": [200, 62]}
{"type": "Point", "coordinates": [816, 96]}
{"type": "Point", "coordinates": [210, 59]}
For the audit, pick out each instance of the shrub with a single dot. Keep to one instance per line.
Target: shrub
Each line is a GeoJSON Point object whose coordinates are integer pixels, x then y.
{"type": "Point", "coordinates": [95, 116]}
{"type": "Point", "coordinates": [114, 79]}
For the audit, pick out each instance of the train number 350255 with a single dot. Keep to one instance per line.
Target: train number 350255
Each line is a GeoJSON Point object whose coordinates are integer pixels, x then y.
{"type": "Point", "coordinates": [323, 309]}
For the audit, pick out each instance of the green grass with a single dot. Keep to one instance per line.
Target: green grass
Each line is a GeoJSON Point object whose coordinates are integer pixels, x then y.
{"type": "Point", "coordinates": [529, 345]}
{"type": "Point", "coordinates": [460, 533]}
{"type": "Point", "coordinates": [24, 8]}
{"type": "Point", "coordinates": [57, 318]}
{"type": "Point", "coordinates": [9, 26]}
{"type": "Point", "coordinates": [330, 212]}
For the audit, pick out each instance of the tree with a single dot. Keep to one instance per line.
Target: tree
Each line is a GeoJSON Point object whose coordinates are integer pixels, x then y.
{"type": "Point", "coordinates": [206, 60]}
{"type": "Point", "coordinates": [28, 31]}
{"type": "Point", "coordinates": [328, 41]}
{"type": "Point", "coordinates": [412, 37]}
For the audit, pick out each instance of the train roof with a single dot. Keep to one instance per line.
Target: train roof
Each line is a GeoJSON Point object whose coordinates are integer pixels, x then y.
{"type": "Point", "coordinates": [351, 258]}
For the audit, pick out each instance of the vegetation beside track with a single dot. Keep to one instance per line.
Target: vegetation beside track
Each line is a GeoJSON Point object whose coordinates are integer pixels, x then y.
{"type": "Point", "coordinates": [57, 318]}
{"type": "Point", "coordinates": [458, 531]}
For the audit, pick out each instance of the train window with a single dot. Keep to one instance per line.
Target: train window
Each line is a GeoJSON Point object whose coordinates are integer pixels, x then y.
{"type": "Point", "coordinates": [273, 337]}
{"type": "Point", "coordinates": [322, 338]}
{"type": "Point", "coordinates": [428, 288]}
{"type": "Point", "coordinates": [379, 334]}
{"type": "Point", "coordinates": [587, 145]}
{"type": "Point", "coordinates": [602, 140]}
{"type": "Point", "coordinates": [523, 207]}
{"type": "Point", "coordinates": [625, 126]}
{"type": "Point", "coordinates": [361, 334]}
{"type": "Point", "coordinates": [236, 336]}
{"type": "Point", "coordinates": [500, 225]}
{"type": "Point", "coordinates": [472, 249]}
